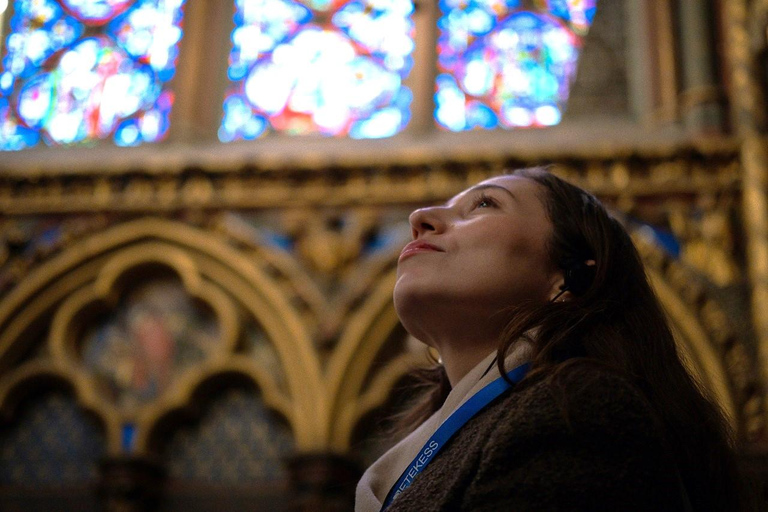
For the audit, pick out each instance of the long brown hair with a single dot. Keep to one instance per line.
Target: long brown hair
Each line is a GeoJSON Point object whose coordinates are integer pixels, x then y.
{"type": "Point", "coordinates": [618, 322]}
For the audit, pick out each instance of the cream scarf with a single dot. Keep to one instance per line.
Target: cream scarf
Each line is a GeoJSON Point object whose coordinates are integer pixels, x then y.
{"type": "Point", "coordinates": [381, 476]}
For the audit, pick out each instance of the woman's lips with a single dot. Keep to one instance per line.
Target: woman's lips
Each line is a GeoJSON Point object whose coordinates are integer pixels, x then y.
{"type": "Point", "coordinates": [416, 247]}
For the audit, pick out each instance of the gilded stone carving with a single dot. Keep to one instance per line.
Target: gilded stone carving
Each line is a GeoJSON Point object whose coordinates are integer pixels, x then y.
{"type": "Point", "coordinates": [707, 234]}
{"type": "Point", "coordinates": [148, 342]}
{"type": "Point", "coordinates": [708, 166]}
{"type": "Point", "coordinates": [200, 263]}
{"type": "Point", "coordinates": [715, 355]}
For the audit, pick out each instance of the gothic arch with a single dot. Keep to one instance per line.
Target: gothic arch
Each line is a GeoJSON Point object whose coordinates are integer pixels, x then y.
{"type": "Point", "coordinates": [87, 270]}
{"type": "Point", "coordinates": [366, 333]}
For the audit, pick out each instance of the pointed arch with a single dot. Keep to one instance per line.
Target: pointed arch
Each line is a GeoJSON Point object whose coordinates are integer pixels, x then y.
{"type": "Point", "coordinates": [366, 333]}
{"type": "Point", "coordinates": [38, 297]}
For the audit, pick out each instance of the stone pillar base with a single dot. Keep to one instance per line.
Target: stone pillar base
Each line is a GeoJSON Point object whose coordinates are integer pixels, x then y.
{"type": "Point", "coordinates": [130, 484]}
{"type": "Point", "coordinates": [322, 482]}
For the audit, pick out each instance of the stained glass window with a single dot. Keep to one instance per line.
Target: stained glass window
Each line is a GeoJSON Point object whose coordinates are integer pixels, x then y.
{"type": "Point", "coordinates": [237, 441]}
{"type": "Point", "coordinates": [500, 65]}
{"type": "Point", "coordinates": [332, 67]}
{"type": "Point", "coordinates": [80, 70]}
{"type": "Point", "coordinates": [50, 443]}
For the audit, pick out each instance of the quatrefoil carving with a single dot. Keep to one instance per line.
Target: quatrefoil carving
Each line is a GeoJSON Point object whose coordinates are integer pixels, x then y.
{"type": "Point", "coordinates": [147, 319]}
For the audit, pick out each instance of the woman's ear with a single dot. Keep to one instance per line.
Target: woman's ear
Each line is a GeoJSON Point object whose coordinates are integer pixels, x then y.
{"type": "Point", "coordinates": [575, 278]}
{"type": "Point", "coordinates": [559, 291]}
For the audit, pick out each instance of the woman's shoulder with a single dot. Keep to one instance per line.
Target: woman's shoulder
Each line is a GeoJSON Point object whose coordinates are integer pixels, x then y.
{"type": "Point", "coordinates": [581, 437]}
{"type": "Point", "coordinates": [583, 378]}
{"type": "Point", "coordinates": [583, 393]}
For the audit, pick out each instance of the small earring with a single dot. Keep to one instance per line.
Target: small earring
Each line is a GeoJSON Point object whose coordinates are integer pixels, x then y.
{"type": "Point", "coordinates": [563, 289]}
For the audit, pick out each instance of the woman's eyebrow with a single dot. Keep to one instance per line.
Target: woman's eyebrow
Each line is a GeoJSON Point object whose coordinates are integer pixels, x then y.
{"type": "Point", "coordinates": [483, 187]}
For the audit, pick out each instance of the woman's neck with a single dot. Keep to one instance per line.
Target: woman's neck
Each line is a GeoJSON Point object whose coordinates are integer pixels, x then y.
{"type": "Point", "coordinates": [458, 362]}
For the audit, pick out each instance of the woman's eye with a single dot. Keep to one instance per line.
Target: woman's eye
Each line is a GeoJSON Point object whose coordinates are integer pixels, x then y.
{"type": "Point", "coordinates": [484, 202]}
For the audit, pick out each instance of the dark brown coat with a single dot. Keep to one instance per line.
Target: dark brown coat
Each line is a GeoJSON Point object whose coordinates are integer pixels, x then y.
{"type": "Point", "coordinates": [585, 440]}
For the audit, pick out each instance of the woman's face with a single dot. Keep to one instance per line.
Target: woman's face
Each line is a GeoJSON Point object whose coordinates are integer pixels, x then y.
{"type": "Point", "coordinates": [481, 253]}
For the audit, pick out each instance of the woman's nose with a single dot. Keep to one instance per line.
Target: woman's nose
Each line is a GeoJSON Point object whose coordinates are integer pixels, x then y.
{"type": "Point", "coordinates": [425, 220]}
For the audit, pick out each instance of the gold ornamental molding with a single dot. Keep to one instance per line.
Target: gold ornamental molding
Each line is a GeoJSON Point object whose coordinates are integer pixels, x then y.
{"type": "Point", "coordinates": [692, 170]}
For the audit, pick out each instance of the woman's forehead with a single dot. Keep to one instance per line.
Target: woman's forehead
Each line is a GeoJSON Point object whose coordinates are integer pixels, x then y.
{"type": "Point", "coordinates": [522, 188]}
{"type": "Point", "coordinates": [510, 181]}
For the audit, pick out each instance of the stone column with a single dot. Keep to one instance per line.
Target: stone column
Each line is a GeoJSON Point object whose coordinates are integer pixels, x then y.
{"type": "Point", "coordinates": [700, 96]}
{"type": "Point", "coordinates": [425, 60]}
{"type": "Point", "coordinates": [130, 484]}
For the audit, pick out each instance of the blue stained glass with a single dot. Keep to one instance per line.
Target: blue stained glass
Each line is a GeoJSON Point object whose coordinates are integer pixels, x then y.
{"type": "Point", "coordinates": [384, 29]}
{"type": "Point", "coordinates": [50, 444]}
{"type": "Point", "coordinates": [261, 26]}
{"type": "Point", "coordinates": [481, 115]}
{"type": "Point", "coordinates": [240, 120]}
{"type": "Point", "coordinates": [63, 85]}
{"type": "Point", "coordinates": [450, 101]}
{"type": "Point", "coordinates": [150, 33]}
{"type": "Point", "coordinates": [35, 100]}
{"type": "Point", "coordinates": [579, 13]}
{"type": "Point", "coordinates": [295, 74]}
{"type": "Point", "coordinates": [322, 5]}
{"type": "Point", "coordinates": [39, 28]}
{"type": "Point", "coordinates": [62, 100]}
{"type": "Point", "coordinates": [501, 66]}
{"type": "Point", "coordinates": [150, 126]}
{"type": "Point", "coordinates": [95, 11]}
{"type": "Point", "coordinates": [128, 438]}
{"type": "Point", "coordinates": [385, 122]}
{"type": "Point", "coordinates": [465, 20]}
{"type": "Point", "coordinates": [12, 135]}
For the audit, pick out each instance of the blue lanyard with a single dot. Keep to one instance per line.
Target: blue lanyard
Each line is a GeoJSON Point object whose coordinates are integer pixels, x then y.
{"type": "Point", "coordinates": [452, 425]}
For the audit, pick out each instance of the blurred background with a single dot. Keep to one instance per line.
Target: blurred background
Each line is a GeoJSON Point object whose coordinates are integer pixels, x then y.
{"type": "Point", "coordinates": [202, 203]}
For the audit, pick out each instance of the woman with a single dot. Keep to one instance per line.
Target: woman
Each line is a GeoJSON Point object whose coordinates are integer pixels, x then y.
{"type": "Point", "coordinates": [560, 386]}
